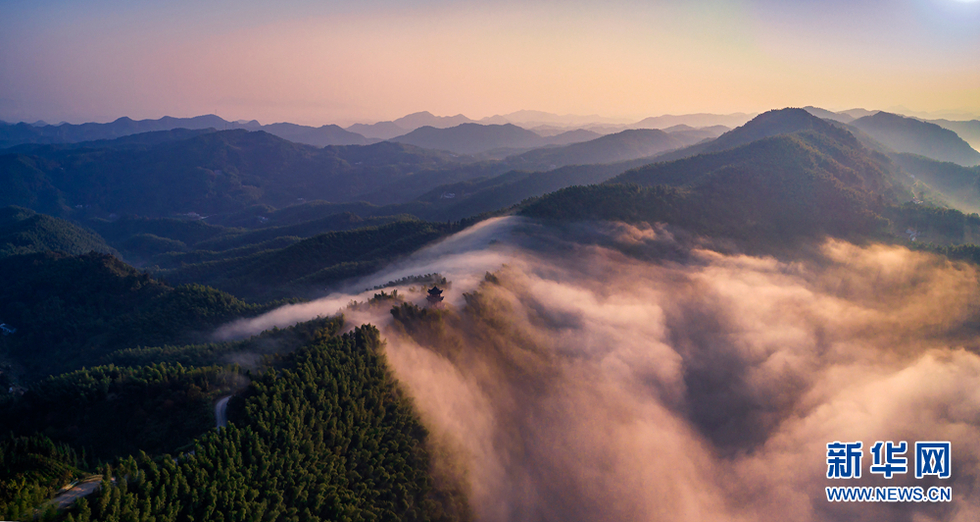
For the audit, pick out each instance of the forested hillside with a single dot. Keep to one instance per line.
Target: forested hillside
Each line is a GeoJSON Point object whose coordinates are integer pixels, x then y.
{"type": "Point", "coordinates": [23, 231]}
{"type": "Point", "coordinates": [68, 311]}
{"type": "Point", "coordinates": [33, 468]}
{"type": "Point", "coordinates": [803, 183]}
{"type": "Point", "coordinates": [109, 411]}
{"type": "Point", "coordinates": [114, 369]}
{"type": "Point", "coordinates": [328, 437]}
{"type": "Point", "coordinates": [307, 267]}
{"type": "Point", "coordinates": [214, 173]}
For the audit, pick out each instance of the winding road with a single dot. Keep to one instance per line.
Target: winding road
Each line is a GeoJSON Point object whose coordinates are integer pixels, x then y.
{"type": "Point", "coordinates": [88, 486]}
{"type": "Point", "coordinates": [221, 412]}
{"type": "Point", "coordinates": [82, 489]}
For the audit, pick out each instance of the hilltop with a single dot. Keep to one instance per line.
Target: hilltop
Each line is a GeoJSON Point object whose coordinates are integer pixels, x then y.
{"type": "Point", "coordinates": [794, 174]}
{"type": "Point", "coordinates": [23, 231]}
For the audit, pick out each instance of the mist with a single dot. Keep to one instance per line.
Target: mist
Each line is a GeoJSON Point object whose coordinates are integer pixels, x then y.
{"type": "Point", "coordinates": [609, 372]}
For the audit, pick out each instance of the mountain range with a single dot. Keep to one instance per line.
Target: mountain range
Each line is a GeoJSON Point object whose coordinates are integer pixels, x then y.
{"type": "Point", "coordinates": [21, 133]}
{"type": "Point", "coordinates": [474, 138]}
{"type": "Point", "coordinates": [622, 146]}
{"type": "Point", "coordinates": [114, 363]}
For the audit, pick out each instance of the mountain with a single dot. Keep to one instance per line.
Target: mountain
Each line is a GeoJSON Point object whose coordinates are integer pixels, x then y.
{"type": "Point", "coordinates": [918, 137]}
{"type": "Point", "coordinates": [569, 137]}
{"type": "Point", "coordinates": [471, 138]}
{"type": "Point", "coordinates": [108, 411]}
{"type": "Point", "coordinates": [24, 231]}
{"type": "Point", "coordinates": [696, 134]}
{"type": "Point", "coordinates": [549, 124]}
{"type": "Point", "coordinates": [133, 141]}
{"type": "Point", "coordinates": [70, 310]}
{"type": "Point", "coordinates": [427, 119]}
{"type": "Point", "coordinates": [526, 119]}
{"type": "Point", "coordinates": [802, 177]}
{"type": "Point", "coordinates": [487, 195]}
{"type": "Point", "coordinates": [693, 120]}
{"type": "Point", "coordinates": [550, 130]}
{"type": "Point", "coordinates": [767, 124]}
{"type": "Point", "coordinates": [307, 267]}
{"type": "Point", "coordinates": [218, 172]}
{"type": "Point", "coordinates": [598, 160]}
{"type": "Point", "coordinates": [328, 434]}
{"type": "Point", "coordinates": [384, 130]}
{"type": "Point", "coordinates": [475, 138]}
{"type": "Point", "coordinates": [968, 130]}
{"type": "Point", "coordinates": [957, 185]}
{"type": "Point", "coordinates": [318, 137]}
{"type": "Point", "coordinates": [856, 113]}
{"type": "Point", "coordinates": [315, 210]}
{"type": "Point", "coordinates": [21, 133]}
{"type": "Point", "coordinates": [622, 146]}
{"type": "Point", "coordinates": [828, 115]}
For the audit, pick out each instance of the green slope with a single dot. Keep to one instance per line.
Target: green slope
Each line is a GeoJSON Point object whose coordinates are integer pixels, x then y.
{"type": "Point", "coordinates": [329, 437]}
{"type": "Point", "coordinates": [68, 311]}
{"type": "Point", "coordinates": [308, 266]}
{"type": "Point", "coordinates": [110, 411]}
{"type": "Point", "coordinates": [24, 231]}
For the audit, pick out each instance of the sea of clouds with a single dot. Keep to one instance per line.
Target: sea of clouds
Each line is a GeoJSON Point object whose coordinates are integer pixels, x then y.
{"type": "Point", "coordinates": [610, 372]}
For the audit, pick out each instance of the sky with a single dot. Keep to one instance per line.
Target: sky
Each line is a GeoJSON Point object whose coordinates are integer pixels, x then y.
{"type": "Point", "coordinates": [320, 62]}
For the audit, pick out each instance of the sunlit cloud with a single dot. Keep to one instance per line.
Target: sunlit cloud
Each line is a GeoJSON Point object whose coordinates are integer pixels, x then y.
{"type": "Point", "coordinates": [582, 383]}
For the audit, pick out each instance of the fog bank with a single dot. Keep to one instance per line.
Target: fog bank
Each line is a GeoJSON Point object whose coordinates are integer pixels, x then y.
{"type": "Point", "coordinates": [611, 372]}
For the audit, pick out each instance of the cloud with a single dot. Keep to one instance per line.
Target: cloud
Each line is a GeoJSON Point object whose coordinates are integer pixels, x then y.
{"type": "Point", "coordinates": [612, 372]}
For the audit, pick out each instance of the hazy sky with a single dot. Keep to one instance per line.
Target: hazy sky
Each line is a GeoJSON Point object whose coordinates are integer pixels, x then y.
{"type": "Point", "coordinates": [324, 61]}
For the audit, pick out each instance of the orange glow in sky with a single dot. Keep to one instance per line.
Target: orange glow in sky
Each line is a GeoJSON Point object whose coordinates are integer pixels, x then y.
{"type": "Point", "coordinates": [328, 62]}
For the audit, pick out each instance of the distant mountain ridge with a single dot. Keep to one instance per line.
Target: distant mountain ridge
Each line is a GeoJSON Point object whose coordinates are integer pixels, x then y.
{"type": "Point", "coordinates": [622, 146]}
{"type": "Point", "coordinates": [474, 138]}
{"type": "Point", "coordinates": [778, 130]}
{"type": "Point", "coordinates": [786, 173]}
{"type": "Point", "coordinates": [217, 172]}
{"type": "Point", "coordinates": [23, 133]}
{"type": "Point", "coordinates": [958, 185]}
{"type": "Point", "coordinates": [39, 132]}
{"type": "Point", "coordinates": [526, 119]}
{"type": "Point", "coordinates": [918, 137]}
{"type": "Point", "coordinates": [693, 120]}
{"type": "Point", "coordinates": [968, 130]}
{"type": "Point", "coordinates": [386, 130]}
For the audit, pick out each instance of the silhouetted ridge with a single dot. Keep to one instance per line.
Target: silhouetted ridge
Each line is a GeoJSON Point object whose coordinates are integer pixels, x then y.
{"type": "Point", "coordinates": [918, 137]}
{"type": "Point", "coordinates": [765, 125]}
{"type": "Point", "coordinates": [471, 138]}
{"type": "Point", "coordinates": [22, 133]}
{"type": "Point", "coordinates": [622, 146]}
{"type": "Point", "coordinates": [811, 178]}
{"type": "Point", "coordinates": [771, 123]}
